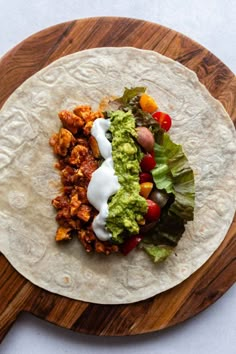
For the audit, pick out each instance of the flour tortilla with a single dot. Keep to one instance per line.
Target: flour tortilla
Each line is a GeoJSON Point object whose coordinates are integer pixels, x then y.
{"type": "Point", "coordinates": [28, 180]}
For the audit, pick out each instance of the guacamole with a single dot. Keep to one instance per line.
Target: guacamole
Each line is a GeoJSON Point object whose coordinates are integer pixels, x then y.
{"type": "Point", "coordinates": [126, 207]}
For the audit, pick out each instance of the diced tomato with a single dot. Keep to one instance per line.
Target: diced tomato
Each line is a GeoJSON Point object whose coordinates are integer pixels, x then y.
{"type": "Point", "coordinates": [154, 211]}
{"type": "Point", "coordinates": [147, 163]}
{"type": "Point", "coordinates": [163, 119]}
{"type": "Point", "coordinates": [145, 177]}
{"type": "Point", "coordinates": [131, 243]}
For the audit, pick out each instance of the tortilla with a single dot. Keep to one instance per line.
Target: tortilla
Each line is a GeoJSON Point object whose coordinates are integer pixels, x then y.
{"type": "Point", "coordinates": [28, 180]}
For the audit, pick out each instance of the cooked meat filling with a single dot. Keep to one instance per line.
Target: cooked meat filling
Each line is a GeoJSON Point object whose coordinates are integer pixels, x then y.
{"type": "Point", "coordinates": [78, 157]}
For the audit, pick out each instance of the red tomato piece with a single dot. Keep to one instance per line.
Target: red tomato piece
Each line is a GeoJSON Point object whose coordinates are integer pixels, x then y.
{"type": "Point", "coordinates": [147, 163]}
{"type": "Point", "coordinates": [163, 119]}
{"type": "Point", "coordinates": [153, 153]}
{"type": "Point", "coordinates": [154, 211]}
{"type": "Point", "coordinates": [131, 243]}
{"type": "Point", "coordinates": [145, 177]}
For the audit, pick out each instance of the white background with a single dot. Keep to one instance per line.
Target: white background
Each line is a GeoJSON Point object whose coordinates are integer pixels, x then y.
{"type": "Point", "coordinates": [211, 23]}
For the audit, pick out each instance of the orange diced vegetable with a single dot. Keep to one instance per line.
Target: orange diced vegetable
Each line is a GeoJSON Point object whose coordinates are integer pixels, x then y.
{"type": "Point", "coordinates": [147, 103]}
{"type": "Point", "coordinates": [145, 189]}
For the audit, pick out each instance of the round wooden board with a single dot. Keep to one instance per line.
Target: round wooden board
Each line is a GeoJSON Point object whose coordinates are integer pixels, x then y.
{"type": "Point", "coordinates": [175, 305]}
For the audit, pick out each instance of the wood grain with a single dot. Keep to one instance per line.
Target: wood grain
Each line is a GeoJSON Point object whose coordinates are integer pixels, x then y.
{"type": "Point", "coordinates": [197, 292]}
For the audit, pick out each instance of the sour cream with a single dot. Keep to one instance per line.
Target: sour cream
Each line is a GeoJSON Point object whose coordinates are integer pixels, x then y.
{"type": "Point", "coordinates": [104, 183]}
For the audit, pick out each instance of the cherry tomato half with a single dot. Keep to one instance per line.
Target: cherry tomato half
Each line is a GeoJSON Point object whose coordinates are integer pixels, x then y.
{"type": "Point", "coordinates": [153, 153]}
{"type": "Point", "coordinates": [147, 163]}
{"type": "Point", "coordinates": [163, 119]}
{"type": "Point", "coordinates": [131, 243]}
{"type": "Point", "coordinates": [145, 177]}
{"type": "Point", "coordinates": [154, 211]}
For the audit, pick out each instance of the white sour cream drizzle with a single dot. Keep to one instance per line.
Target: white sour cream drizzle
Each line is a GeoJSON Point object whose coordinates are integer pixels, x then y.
{"type": "Point", "coordinates": [104, 183]}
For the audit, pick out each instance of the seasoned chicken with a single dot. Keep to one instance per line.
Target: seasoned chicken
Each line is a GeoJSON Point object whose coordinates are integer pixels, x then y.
{"type": "Point", "coordinates": [78, 154]}
{"type": "Point", "coordinates": [94, 147]}
{"type": "Point", "coordinates": [74, 204]}
{"type": "Point", "coordinates": [84, 212]}
{"type": "Point", "coordinates": [86, 113]}
{"type": "Point", "coordinates": [62, 141]}
{"type": "Point", "coordinates": [88, 166]}
{"type": "Point", "coordinates": [90, 242]}
{"type": "Point", "coordinates": [82, 194]}
{"type": "Point", "coordinates": [87, 128]}
{"type": "Point", "coordinates": [63, 233]}
{"type": "Point", "coordinates": [83, 111]}
{"type": "Point", "coordinates": [71, 121]}
{"type": "Point", "coordinates": [60, 202]}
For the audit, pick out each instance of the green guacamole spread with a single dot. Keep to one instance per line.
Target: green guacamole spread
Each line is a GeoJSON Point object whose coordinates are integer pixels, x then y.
{"type": "Point", "coordinates": [126, 207]}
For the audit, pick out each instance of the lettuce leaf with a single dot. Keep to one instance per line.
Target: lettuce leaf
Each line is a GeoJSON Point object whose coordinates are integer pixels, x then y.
{"type": "Point", "coordinates": [167, 231]}
{"type": "Point", "coordinates": [174, 174]}
{"type": "Point", "coordinates": [130, 94]}
{"type": "Point", "coordinates": [158, 253]}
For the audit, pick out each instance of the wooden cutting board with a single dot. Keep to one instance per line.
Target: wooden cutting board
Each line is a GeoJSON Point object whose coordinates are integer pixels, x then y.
{"type": "Point", "coordinates": [197, 292]}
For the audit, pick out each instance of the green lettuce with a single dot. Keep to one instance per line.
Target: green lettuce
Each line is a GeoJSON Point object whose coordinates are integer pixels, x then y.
{"type": "Point", "coordinates": [165, 234]}
{"type": "Point", "coordinates": [174, 174]}
{"type": "Point", "coordinates": [158, 253]}
{"type": "Point", "coordinates": [129, 95]}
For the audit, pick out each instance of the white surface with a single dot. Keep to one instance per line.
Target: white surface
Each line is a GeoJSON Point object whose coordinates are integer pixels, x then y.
{"type": "Point", "coordinates": [213, 24]}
